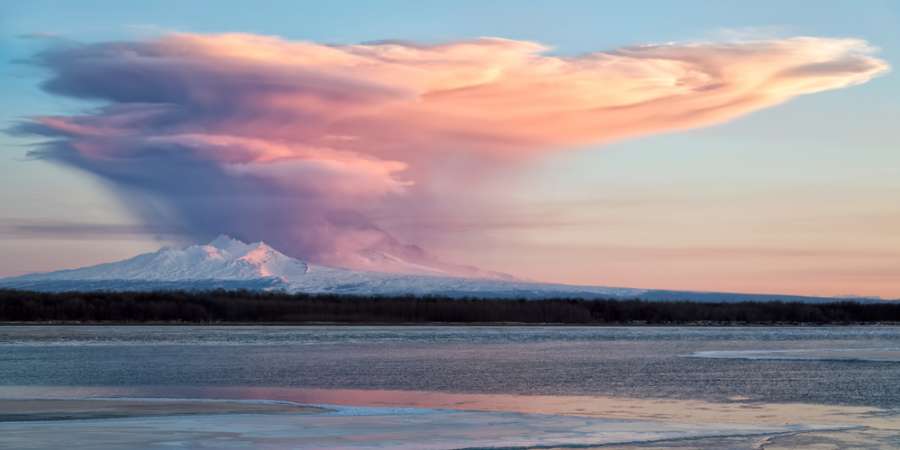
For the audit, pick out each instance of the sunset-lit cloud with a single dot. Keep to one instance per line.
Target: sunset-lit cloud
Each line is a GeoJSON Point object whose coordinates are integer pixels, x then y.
{"type": "Point", "coordinates": [296, 142]}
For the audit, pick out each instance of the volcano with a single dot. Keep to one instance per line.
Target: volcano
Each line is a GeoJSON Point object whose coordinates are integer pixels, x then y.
{"type": "Point", "coordinates": [227, 263]}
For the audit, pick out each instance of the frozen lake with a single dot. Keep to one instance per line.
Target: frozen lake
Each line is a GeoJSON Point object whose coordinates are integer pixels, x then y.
{"type": "Point", "coordinates": [453, 387]}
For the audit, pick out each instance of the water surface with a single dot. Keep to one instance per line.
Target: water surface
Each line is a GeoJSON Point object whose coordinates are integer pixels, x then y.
{"type": "Point", "coordinates": [827, 365]}
{"type": "Point", "coordinates": [448, 387]}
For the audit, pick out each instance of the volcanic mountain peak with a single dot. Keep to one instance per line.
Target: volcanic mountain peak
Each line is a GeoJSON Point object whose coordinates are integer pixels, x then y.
{"type": "Point", "coordinates": [227, 263]}
{"type": "Point", "coordinates": [222, 259]}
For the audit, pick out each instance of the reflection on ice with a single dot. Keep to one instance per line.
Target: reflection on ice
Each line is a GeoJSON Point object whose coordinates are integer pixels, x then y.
{"type": "Point", "coordinates": [819, 354]}
{"type": "Point", "coordinates": [362, 428]}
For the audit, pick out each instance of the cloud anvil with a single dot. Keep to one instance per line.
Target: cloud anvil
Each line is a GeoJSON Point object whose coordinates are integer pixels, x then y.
{"type": "Point", "coordinates": [294, 142]}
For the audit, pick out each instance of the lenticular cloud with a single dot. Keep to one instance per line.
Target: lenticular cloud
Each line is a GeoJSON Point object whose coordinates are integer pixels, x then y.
{"type": "Point", "coordinates": [293, 142]}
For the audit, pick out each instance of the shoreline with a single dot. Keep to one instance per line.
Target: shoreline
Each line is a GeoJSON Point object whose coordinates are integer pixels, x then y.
{"type": "Point", "coordinates": [243, 307]}
{"type": "Point", "coordinates": [457, 324]}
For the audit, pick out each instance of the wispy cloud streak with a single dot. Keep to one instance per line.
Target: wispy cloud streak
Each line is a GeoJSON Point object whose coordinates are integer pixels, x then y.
{"type": "Point", "coordinates": [60, 229]}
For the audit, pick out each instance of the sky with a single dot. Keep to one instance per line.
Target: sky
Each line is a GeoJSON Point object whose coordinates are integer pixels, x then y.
{"type": "Point", "coordinates": [722, 146]}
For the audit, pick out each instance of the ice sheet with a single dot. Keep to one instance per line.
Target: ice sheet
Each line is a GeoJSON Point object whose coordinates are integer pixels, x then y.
{"type": "Point", "coordinates": [343, 427]}
{"type": "Point", "coordinates": [819, 354]}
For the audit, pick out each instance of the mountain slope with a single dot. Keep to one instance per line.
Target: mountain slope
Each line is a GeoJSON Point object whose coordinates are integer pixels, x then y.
{"type": "Point", "coordinates": [223, 259]}
{"type": "Point", "coordinates": [227, 263]}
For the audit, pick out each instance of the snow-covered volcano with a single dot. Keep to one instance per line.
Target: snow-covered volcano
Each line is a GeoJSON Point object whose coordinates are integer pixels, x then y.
{"type": "Point", "coordinates": [231, 264]}
{"type": "Point", "coordinates": [222, 259]}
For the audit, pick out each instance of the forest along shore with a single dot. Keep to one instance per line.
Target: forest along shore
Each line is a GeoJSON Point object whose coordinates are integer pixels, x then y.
{"type": "Point", "coordinates": [280, 308]}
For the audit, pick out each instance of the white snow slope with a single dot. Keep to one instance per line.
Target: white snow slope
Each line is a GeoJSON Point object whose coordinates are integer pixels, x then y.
{"type": "Point", "coordinates": [231, 264]}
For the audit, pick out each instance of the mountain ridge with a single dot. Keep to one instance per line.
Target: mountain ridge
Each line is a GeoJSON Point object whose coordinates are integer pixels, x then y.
{"type": "Point", "coordinates": [227, 263]}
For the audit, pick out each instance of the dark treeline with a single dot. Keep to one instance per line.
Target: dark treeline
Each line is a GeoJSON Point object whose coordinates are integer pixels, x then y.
{"type": "Point", "coordinates": [244, 306]}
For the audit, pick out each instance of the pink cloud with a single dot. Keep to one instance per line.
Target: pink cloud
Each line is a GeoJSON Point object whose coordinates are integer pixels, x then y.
{"type": "Point", "coordinates": [294, 142]}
